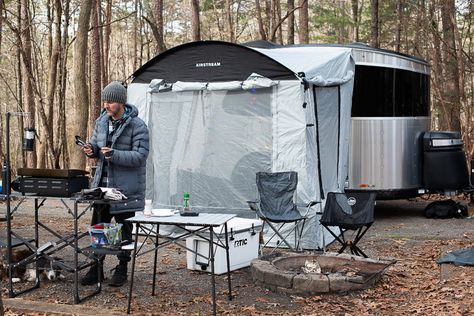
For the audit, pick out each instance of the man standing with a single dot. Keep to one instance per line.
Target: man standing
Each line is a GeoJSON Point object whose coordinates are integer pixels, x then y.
{"type": "Point", "coordinates": [120, 145]}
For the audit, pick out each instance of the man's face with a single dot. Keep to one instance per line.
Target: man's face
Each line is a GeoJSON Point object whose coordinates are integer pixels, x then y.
{"type": "Point", "coordinates": [113, 109]}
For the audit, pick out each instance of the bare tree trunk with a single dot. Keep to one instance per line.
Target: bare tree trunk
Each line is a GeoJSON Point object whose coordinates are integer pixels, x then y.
{"type": "Point", "coordinates": [96, 68]}
{"type": "Point", "coordinates": [341, 36]}
{"type": "Point", "coordinates": [107, 32]}
{"type": "Point", "coordinates": [237, 15]}
{"type": "Point", "coordinates": [79, 112]}
{"type": "Point", "coordinates": [291, 22]}
{"type": "Point", "coordinates": [196, 21]}
{"type": "Point", "coordinates": [159, 22]}
{"type": "Point", "coordinates": [230, 21]}
{"type": "Point", "coordinates": [61, 138]}
{"type": "Point", "coordinates": [1, 37]}
{"type": "Point", "coordinates": [451, 75]}
{"type": "Point", "coordinates": [135, 37]}
{"type": "Point", "coordinates": [2, 155]}
{"type": "Point", "coordinates": [48, 115]}
{"type": "Point", "coordinates": [303, 23]}
{"type": "Point", "coordinates": [436, 74]}
{"type": "Point", "coordinates": [355, 19]}
{"type": "Point", "coordinates": [27, 69]}
{"type": "Point", "coordinates": [278, 21]}
{"type": "Point", "coordinates": [267, 21]}
{"type": "Point", "coordinates": [463, 100]}
{"type": "Point", "coordinates": [419, 46]}
{"type": "Point", "coordinates": [398, 33]}
{"type": "Point", "coordinates": [374, 29]}
{"type": "Point", "coordinates": [467, 85]}
{"type": "Point", "coordinates": [261, 26]}
{"type": "Point", "coordinates": [277, 25]}
{"type": "Point", "coordinates": [141, 31]}
{"type": "Point", "coordinates": [42, 129]}
{"type": "Point", "coordinates": [273, 20]}
{"type": "Point", "coordinates": [22, 159]}
{"type": "Point", "coordinates": [217, 15]}
{"type": "Point", "coordinates": [157, 25]}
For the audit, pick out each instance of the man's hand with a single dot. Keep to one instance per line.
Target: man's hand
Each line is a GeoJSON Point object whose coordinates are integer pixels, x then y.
{"type": "Point", "coordinates": [88, 150]}
{"type": "Point", "coordinates": [107, 151]}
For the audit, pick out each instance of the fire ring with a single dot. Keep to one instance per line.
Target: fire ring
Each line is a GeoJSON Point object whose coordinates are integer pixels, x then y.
{"type": "Point", "coordinates": [313, 274]}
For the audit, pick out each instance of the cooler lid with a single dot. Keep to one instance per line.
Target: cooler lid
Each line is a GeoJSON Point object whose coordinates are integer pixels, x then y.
{"type": "Point", "coordinates": [236, 225]}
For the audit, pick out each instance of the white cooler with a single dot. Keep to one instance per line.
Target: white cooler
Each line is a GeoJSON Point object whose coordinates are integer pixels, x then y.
{"type": "Point", "coordinates": [243, 234]}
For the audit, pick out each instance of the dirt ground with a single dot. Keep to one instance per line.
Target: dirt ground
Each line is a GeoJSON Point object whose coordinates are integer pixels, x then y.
{"type": "Point", "coordinates": [414, 285]}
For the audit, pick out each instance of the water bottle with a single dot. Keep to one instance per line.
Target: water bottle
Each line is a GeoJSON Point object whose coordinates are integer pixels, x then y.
{"type": "Point", "coordinates": [186, 207]}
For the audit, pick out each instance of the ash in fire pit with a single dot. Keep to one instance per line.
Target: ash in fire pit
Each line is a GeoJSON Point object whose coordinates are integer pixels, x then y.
{"type": "Point", "coordinates": [312, 274]}
{"type": "Point", "coordinates": [311, 266]}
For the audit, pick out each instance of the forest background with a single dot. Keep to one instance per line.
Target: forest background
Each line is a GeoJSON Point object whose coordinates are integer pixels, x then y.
{"type": "Point", "coordinates": [57, 55]}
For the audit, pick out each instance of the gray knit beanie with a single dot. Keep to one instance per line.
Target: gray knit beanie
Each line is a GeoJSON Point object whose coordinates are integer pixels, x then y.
{"type": "Point", "coordinates": [114, 92]}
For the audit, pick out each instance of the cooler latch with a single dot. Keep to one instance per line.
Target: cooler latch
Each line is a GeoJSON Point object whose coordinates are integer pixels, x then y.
{"type": "Point", "coordinates": [253, 230]}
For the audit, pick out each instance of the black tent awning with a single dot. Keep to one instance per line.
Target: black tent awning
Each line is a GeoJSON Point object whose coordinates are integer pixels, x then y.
{"type": "Point", "coordinates": [210, 61]}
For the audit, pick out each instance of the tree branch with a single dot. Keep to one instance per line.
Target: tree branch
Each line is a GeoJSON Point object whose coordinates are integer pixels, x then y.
{"type": "Point", "coordinates": [275, 29]}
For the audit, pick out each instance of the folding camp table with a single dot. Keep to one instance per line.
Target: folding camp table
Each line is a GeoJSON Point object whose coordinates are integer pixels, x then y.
{"type": "Point", "coordinates": [49, 248]}
{"type": "Point", "coordinates": [192, 226]}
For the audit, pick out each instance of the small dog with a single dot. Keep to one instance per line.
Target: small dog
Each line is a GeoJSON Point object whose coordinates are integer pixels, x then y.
{"type": "Point", "coordinates": [27, 272]}
{"type": "Point", "coordinates": [49, 270]}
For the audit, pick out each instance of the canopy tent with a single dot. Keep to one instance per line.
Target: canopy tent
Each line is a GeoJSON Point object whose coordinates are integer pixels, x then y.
{"type": "Point", "coordinates": [220, 112]}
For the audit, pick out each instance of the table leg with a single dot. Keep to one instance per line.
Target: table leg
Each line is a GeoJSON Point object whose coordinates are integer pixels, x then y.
{"type": "Point", "coordinates": [156, 258]}
{"type": "Point", "coordinates": [9, 247]}
{"type": "Point", "coordinates": [213, 277]}
{"type": "Point", "coordinates": [76, 277]}
{"type": "Point", "coordinates": [37, 280]}
{"type": "Point", "coordinates": [228, 261]}
{"type": "Point", "coordinates": [133, 268]}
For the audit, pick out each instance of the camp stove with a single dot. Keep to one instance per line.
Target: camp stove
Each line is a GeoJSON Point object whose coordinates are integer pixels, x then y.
{"type": "Point", "coordinates": [51, 182]}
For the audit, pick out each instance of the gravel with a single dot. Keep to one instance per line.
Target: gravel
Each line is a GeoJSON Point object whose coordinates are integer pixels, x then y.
{"type": "Point", "coordinates": [185, 292]}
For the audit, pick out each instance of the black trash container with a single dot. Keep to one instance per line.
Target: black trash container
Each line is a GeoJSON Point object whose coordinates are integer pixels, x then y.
{"type": "Point", "coordinates": [444, 161]}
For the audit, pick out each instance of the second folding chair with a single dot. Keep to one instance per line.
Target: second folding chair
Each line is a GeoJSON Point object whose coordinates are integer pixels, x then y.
{"type": "Point", "coordinates": [349, 211]}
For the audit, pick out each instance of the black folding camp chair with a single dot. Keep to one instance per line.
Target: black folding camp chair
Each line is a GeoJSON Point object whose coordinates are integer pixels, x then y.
{"type": "Point", "coordinates": [349, 211]}
{"type": "Point", "coordinates": [276, 205]}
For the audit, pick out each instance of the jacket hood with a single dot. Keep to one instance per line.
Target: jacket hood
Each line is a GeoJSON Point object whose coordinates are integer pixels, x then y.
{"type": "Point", "coordinates": [133, 112]}
{"type": "Point", "coordinates": [133, 109]}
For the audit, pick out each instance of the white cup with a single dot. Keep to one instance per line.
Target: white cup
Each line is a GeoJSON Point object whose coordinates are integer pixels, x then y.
{"type": "Point", "coordinates": [148, 207]}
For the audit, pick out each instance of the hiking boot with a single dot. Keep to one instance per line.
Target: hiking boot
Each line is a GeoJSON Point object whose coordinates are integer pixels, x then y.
{"type": "Point", "coordinates": [120, 275]}
{"type": "Point", "coordinates": [92, 276]}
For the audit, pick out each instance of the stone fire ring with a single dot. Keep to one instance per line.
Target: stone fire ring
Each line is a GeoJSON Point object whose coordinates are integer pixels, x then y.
{"type": "Point", "coordinates": [339, 273]}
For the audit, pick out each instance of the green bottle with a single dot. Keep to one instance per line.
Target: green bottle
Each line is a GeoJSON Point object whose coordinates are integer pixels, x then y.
{"type": "Point", "coordinates": [186, 207]}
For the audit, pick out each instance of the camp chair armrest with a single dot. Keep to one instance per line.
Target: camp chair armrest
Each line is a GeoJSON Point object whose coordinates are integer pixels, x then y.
{"type": "Point", "coordinates": [308, 206]}
{"type": "Point", "coordinates": [312, 203]}
{"type": "Point", "coordinates": [253, 205]}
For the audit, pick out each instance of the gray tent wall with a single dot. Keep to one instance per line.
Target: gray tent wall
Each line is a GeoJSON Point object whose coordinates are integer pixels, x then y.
{"type": "Point", "coordinates": [210, 137]}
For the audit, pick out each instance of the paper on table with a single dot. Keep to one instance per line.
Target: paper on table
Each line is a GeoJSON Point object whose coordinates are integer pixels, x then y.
{"type": "Point", "coordinates": [162, 212]}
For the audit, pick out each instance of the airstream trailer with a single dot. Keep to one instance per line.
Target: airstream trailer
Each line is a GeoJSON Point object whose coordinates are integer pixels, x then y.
{"type": "Point", "coordinates": [392, 150]}
{"type": "Point", "coordinates": [345, 117]}
{"type": "Point", "coordinates": [390, 112]}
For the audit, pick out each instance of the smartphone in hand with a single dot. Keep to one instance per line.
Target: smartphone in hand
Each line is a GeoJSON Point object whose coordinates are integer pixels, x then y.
{"type": "Point", "coordinates": [80, 142]}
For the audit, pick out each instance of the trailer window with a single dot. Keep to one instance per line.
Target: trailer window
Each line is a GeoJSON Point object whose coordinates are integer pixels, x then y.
{"type": "Point", "coordinates": [382, 92]}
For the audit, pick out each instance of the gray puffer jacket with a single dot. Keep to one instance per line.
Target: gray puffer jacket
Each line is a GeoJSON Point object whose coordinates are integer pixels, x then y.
{"type": "Point", "coordinates": [127, 166]}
